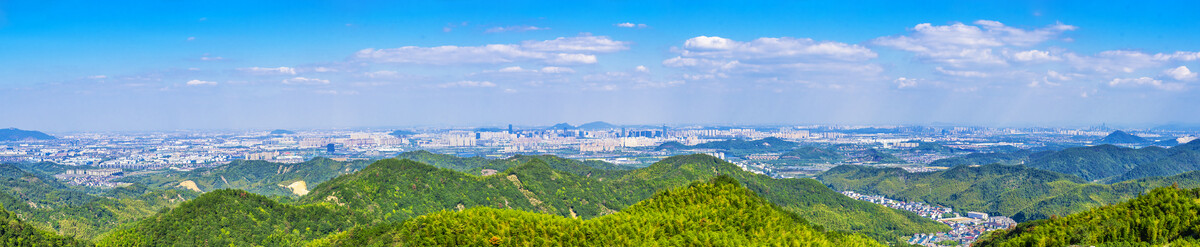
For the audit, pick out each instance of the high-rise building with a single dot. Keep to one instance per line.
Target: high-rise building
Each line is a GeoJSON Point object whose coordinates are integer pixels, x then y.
{"type": "Point", "coordinates": [510, 131]}
{"type": "Point", "coordinates": [329, 148]}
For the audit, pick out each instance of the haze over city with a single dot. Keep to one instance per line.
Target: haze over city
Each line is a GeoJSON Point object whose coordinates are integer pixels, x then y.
{"type": "Point", "coordinates": [90, 66]}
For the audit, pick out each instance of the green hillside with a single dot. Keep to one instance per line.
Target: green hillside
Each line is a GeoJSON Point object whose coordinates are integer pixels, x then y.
{"type": "Point", "coordinates": [256, 176]}
{"type": "Point", "coordinates": [1120, 137]}
{"type": "Point", "coordinates": [233, 218]}
{"type": "Point", "coordinates": [1006, 158]}
{"type": "Point", "coordinates": [872, 155]}
{"type": "Point", "coordinates": [716, 213]}
{"type": "Point", "coordinates": [15, 232]}
{"type": "Point", "coordinates": [1163, 217]}
{"type": "Point", "coordinates": [47, 204]}
{"type": "Point", "coordinates": [1015, 191]}
{"type": "Point", "coordinates": [394, 190]}
{"type": "Point", "coordinates": [475, 165]}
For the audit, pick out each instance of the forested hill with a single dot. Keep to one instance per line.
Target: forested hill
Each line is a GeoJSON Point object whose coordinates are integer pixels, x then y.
{"type": "Point", "coordinates": [1113, 164]}
{"type": "Point", "coordinates": [720, 212]}
{"type": "Point", "coordinates": [1015, 191]}
{"type": "Point", "coordinates": [233, 218]}
{"type": "Point", "coordinates": [44, 202]}
{"type": "Point", "coordinates": [14, 134]}
{"type": "Point", "coordinates": [1163, 217]}
{"type": "Point", "coordinates": [393, 190]}
{"type": "Point", "coordinates": [475, 165]}
{"type": "Point", "coordinates": [15, 232]}
{"type": "Point", "coordinates": [257, 176]}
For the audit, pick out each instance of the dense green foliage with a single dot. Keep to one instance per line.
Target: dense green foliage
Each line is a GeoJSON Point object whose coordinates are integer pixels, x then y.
{"type": "Point", "coordinates": [872, 155]}
{"type": "Point", "coordinates": [233, 218]}
{"type": "Point", "coordinates": [1006, 158]}
{"type": "Point", "coordinates": [716, 213]}
{"type": "Point", "coordinates": [256, 176]}
{"type": "Point", "coordinates": [1120, 137]}
{"type": "Point", "coordinates": [394, 190]}
{"type": "Point", "coordinates": [1108, 163]}
{"type": "Point", "coordinates": [1163, 217]}
{"type": "Point", "coordinates": [15, 232]}
{"type": "Point", "coordinates": [810, 154]}
{"type": "Point", "coordinates": [14, 134]}
{"type": "Point", "coordinates": [42, 201]}
{"type": "Point", "coordinates": [475, 165]}
{"type": "Point", "coordinates": [1015, 191]}
{"type": "Point", "coordinates": [738, 148]}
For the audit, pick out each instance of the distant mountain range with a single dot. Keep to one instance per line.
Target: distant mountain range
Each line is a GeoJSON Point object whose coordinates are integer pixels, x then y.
{"type": "Point", "coordinates": [14, 134]}
{"type": "Point", "coordinates": [282, 132]}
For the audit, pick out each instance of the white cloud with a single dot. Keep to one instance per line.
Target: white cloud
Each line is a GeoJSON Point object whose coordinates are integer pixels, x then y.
{"type": "Point", "coordinates": [269, 71]}
{"type": "Point", "coordinates": [905, 82]}
{"type": "Point", "coordinates": [574, 50]}
{"type": "Point", "coordinates": [1034, 56]}
{"type": "Point", "coordinates": [962, 45]}
{"type": "Point", "coordinates": [582, 43]}
{"type": "Point", "coordinates": [467, 84]}
{"type": "Point", "coordinates": [642, 69]}
{"type": "Point", "coordinates": [1182, 56]}
{"type": "Point", "coordinates": [961, 73]}
{"type": "Point", "coordinates": [97, 77]}
{"type": "Point", "coordinates": [710, 57]}
{"type": "Point", "coordinates": [305, 80]}
{"type": "Point", "coordinates": [1181, 73]}
{"type": "Point", "coordinates": [556, 70]}
{"type": "Point", "coordinates": [324, 69]}
{"type": "Point", "coordinates": [382, 74]}
{"type": "Point", "coordinates": [208, 58]}
{"type": "Point", "coordinates": [191, 38]}
{"type": "Point", "coordinates": [200, 83]}
{"type": "Point", "coordinates": [1145, 81]}
{"type": "Point", "coordinates": [512, 29]}
{"type": "Point", "coordinates": [631, 25]}
{"type": "Point", "coordinates": [1109, 62]}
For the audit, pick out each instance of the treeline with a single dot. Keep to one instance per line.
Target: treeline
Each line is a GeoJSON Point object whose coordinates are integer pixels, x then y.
{"type": "Point", "coordinates": [257, 176]}
{"type": "Point", "coordinates": [1015, 191]}
{"type": "Point", "coordinates": [15, 232]}
{"type": "Point", "coordinates": [716, 213]}
{"type": "Point", "coordinates": [1101, 163]}
{"type": "Point", "coordinates": [1166, 216]}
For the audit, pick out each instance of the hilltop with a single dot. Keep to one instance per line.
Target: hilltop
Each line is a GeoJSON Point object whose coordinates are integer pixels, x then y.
{"type": "Point", "coordinates": [597, 125]}
{"type": "Point", "coordinates": [533, 185]}
{"type": "Point", "coordinates": [718, 212]}
{"type": "Point", "coordinates": [233, 218]}
{"type": "Point", "coordinates": [257, 176]}
{"type": "Point", "coordinates": [1163, 217]}
{"type": "Point", "coordinates": [1120, 137]}
{"type": "Point", "coordinates": [14, 134]}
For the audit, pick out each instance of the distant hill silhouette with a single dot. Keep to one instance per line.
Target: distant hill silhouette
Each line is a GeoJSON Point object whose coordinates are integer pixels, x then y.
{"type": "Point", "coordinates": [563, 126]}
{"type": "Point", "coordinates": [14, 134]}
{"type": "Point", "coordinates": [282, 132]}
{"type": "Point", "coordinates": [597, 125]}
{"type": "Point", "coordinates": [1120, 137]}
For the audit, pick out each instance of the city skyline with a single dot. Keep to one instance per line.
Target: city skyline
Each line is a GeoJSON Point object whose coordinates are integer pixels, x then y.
{"type": "Point", "coordinates": [84, 66]}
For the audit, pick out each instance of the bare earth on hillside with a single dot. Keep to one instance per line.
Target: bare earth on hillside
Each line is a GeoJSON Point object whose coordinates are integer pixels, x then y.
{"type": "Point", "coordinates": [299, 188]}
{"type": "Point", "coordinates": [189, 185]}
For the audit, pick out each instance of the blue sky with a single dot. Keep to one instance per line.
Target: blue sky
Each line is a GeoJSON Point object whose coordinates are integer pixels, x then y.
{"type": "Point", "coordinates": [161, 65]}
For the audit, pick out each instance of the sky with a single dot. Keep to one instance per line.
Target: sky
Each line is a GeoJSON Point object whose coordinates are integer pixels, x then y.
{"type": "Point", "coordinates": [171, 65]}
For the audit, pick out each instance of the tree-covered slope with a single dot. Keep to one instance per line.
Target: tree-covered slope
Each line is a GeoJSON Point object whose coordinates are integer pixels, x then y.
{"type": "Point", "coordinates": [44, 202]}
{"type": "Point", "coordinates": [716, 213]}
{"type": "Point", "coordinates": [1097, 162]}
{"type": "Point", "coordinates": [256, 176]}
{"type": "Point", "coordinates": [233, 218]}
{"type": "Point", "coordinates": [395, 190]}
{"type": "Point", "coordinates": [1120, 137]}
{"type": "Point", "coordinates": [475, 165]}
{"type": "Point", "coordinates": [1006, 158]}
{"type": "Point", "coordinates": [15, 232]}
{"type": "Point", "coordinates": [1163, 217]}
{"type": "Point", "coordinates": [1015, 191]}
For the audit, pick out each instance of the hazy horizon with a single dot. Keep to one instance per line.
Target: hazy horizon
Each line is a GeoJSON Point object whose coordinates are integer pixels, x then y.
{"type": "Point", "coordinates": [93, 66]}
